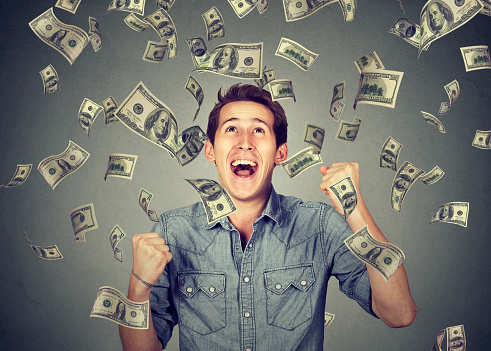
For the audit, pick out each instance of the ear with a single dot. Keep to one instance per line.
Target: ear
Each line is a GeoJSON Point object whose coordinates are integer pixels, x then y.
{"type": "Point", "coordinates": [281, 154]}
{"type": "Point", "coordinates": [209, 152]}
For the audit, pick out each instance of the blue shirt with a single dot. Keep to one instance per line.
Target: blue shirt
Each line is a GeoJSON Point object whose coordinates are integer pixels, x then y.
{"type": "Point", "coordinates": [269, 296]}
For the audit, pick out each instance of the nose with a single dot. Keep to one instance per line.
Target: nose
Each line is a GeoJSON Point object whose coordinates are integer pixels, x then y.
{"type": "Point", "coordinates": [245, 143]}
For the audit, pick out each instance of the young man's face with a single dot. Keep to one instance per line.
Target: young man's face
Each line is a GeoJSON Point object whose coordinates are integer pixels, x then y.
{"type": "Point", "coordinates": [245, 150]}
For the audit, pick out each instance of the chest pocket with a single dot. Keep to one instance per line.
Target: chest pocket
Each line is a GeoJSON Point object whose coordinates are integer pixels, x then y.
{"type": "Point", "coordinates": [202, 301]}
{"type": "Point", "coordinates": [288, 295]}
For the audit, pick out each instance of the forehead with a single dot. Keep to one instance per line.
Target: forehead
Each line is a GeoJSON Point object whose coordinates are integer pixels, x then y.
{"type": "Point", "coordinates": [246, 112]}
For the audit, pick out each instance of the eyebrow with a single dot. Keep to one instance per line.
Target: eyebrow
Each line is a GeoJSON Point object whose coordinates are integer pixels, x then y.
{"type": "Point", "coordinates": [233, 119]}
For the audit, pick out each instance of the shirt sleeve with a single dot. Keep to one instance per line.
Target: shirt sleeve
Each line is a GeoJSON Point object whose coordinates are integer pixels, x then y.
{"type": "Point", "coordinates": [340, 261]}
{"type": "Point", "coordinates": [162, 307]}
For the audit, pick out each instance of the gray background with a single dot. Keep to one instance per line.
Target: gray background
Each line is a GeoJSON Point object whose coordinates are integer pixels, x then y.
{"type": "Point", "coordinates": [46, 304]}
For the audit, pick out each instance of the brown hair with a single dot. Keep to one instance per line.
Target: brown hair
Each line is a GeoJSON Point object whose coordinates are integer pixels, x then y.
{"type": "Point", "coordinates": [248, 92]}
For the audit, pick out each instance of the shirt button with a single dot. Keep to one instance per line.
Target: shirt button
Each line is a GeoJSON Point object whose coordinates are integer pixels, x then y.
{"type": "Point", "coordinates": [303, 282]}
{"type": "Point", "coordinates": [247, 314]}
{"type": "Point", "coordinates": [237, 247]}
{"type": "Point", "coordinates": [246, 279]}
{"type": "Point", "coordinates": [248, 349]}
{"type": "Point", "coordinates": [212, 289]}
{"type": "Point", "coordinates": [250, 245]}
{"type": "Point", "coordinates": [189, 290]}
{"type": "Point", "coordinates": [278, 286]}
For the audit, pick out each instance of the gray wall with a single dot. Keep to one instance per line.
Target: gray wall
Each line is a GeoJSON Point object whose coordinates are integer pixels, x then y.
{"type": "Point", "coordinates": [46, 304]}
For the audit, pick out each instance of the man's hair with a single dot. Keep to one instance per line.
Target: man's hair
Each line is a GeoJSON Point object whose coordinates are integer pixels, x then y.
{"type": "Point", "coordinates": [248, 92]}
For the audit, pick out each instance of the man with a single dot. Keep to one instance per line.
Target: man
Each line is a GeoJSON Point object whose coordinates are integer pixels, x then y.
{"type": "Point", "coordinates": [440, 18]}
{"type": "Point", "coordinates": [257, 279]}
{"type": "Point", "coordinates": [226, 61]}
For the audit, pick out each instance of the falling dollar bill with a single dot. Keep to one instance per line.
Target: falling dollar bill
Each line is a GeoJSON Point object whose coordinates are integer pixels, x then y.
{"type": "Point", "coordinates": [110, 106]}
{"type": "Point", "coordinates": [337, 95]}
{"type": "Point", "coordinates": [121, 166]}
{"type": "Point", "coordinates": [136, 6]}
{"type": "Point", "coordinates": [57, 167]}
{"type": "Point", "coordinates": [336, 110]}
{"type": "Point", "coordinates": [347, 131]}
{"type": "Point", "coordinates": [262, 6]}
{"type": "Point", "coordinates": [281, 89]}
{"type": "Point", "coordinates": [345, 191]}
{"type": "Point", "coordinates": [68, 40]}
{"type": "Point", "coordinates": [404, 178]}
{"type": "Point", "coordinates": [51, 82]}
{"type": "Point", "coordinates": [401, 6]}
{"type": "Point", "coordinates": [349, 8]}
{"type": "Point", "coordinates": [378, 87]}
{"type": "Point", "coordinates": [194, 88]}
{"type": "Point", "coordinates": [191, 142]}
{"type": "Point", "coordinates": [407, 30]}
{"type": "Point", "coordinates": [165, 4]}
{"type": "Point", "coordinates": [155, 52]}
{"type": "Point", "coordinates": [328, 318]}
{"type": "Point", "coordinates": [299, 9]}
{"type": "Point", "coordinates": [486, 10]}
{"type": "Point", "coordinates": [301, 161]}
{"type": "Point", "coordinates": [432, 120]}
{"type": "Point", "coordinates": [314, 136]}
{"type": "Point", "coordinates": [482, 139]}
{"type": "Point", "coordinates": [268, 76]}
{"type": "Point", "coordinates": [161, 21]}
{"type": "Point", "coordinates": [68, 5]}
{"type": "Point", "coordinates": [115, 237]}
{"type": "Point", "coordinates": [369, 62]}
{"type": "Point", "coordinates": [456, 338]}
{"type": "Point", "coordinates": [135, 23]}
{"type": "Point", "coordinates": [215, 199]}
{"type": "Point", "coordinates": [87, 113]}
{"type": "Point", "coordinates": [390, 153]}
{"type": "Point", "coordinates": [144, 199]}
{"type": "Point", "coordinates": [19, 177]}
{"type": "Point", "coordinates": [432, 176]}
{"type": "Point", "coordinates": [453, 91]}
{"type": "Point", "coordinates": [382, 256]}
{"type": "Point", "coordinates": [215, 26]}
{"type": "Point", "coordinates": [452, 212]}
{"type": "Point", "coordinates": [476, 57]}
{"type": "Point", "coordinates": [438, 342]}
{"type": "Point", "coordinates": [95, 38]}
{"type": "Point", "coordinates": [242, 7]}
{"type": "Point", "coordinates": [296, 53]}
{"type": "Point", "coordinates": [198, 49]}
{"type": "Point", "coordinates": [112, 305]}
{"type": "Point", "coordinates": [45, 252]}
{"type": "Point", "coordinates": [83, 220]}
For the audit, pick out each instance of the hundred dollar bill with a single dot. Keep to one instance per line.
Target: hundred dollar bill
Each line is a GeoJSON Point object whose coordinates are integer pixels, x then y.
{"type": "Point", "coordinates": [135, 23]}
{"type": "Point", "coordinates": [349, 8]}
{"type": "Point", "coordinates": [281, 89]}
{"type": "Point", "coordinates": [438, 342]}
{"type": "Point", "coordinates": [486, 10]}
{"type": "Point", "coordinates": [347, 131]}
{"type": "Point", "coordinates": [149, 117]}
{"type": "Point", "coordinates": [438, 18]}
{"type": "Point", "coordinates": [198, 49]}
{"type": "Point", "coordinates": [268, 76]}
{"type": "Point", "coordinates": [296, 53]}
{"type": "Point", "coordinates": [345, 191]}
{"type": "Point", "coordinates": [369, 62]}
{"type": "Point", "coordinates": [68, 40]}
{"type": "Point", "coordinates": [165, 4]}
{"type": "Point", "coordinates": [51, 82]}
{"type": "Point", "coordinates": [384, 257]}
{"type": "Point", "coordinates": [336, 110]}
{"type": "Point", "coordinates": [328, 318]}
{"type": "Point", "coordinates": [262, 6]}
{"type": "Point", "coordinates": [96, 42]}
{"type": "Point", "coordinates": [144, 199]}
{"type": "Point", "coordinates": [110, 106]}
{"type": "Point", "coordinates": [155, 52]}
{"type": "Point", "coordinates": [452, 212]}
{"type": "Point", "coordinates": [337, 95]}
{"type": "Point", "coordinates": [432, 120]}
{"type": "Point", "coordinates": [96, 38]}
{"type": "Point", "coordinates": [298, 9]}
{"type": "Point", "coordinates": [45, 252]}
{"type": "Point", "coordinates": [390, 153]}
{"type": "Point", "coordinates": [476, 57]}
{"type": "Point", "coordinates": [136, 6]}
{"type": "Point", "coordinates": [456, 338]}
{"type": "Point", "coordinates": [242, 61]}
{"type": "Point", "coordinates": [314, 135]}
{"type": "Point", "coordinates": [216, 200]}
{"type": "Point", "coordinates": [161, 21]}
{"type": "Point", "coordinates": [121, 166]}
{"type": "Point", "coordinates": [191, 143]}
{"type": "Point", "coordinates": [19, 177]}
{"type": "Point", "coordinates": [378, 87]}
{"type": "Point", "coordinates": [453, 91]}
{"type": "Point", "coordinates": [242, 7]}
{"type": "Point", "coordinates": [68, 5]}
{"type": "Point", "coordinates": [57, 167]}
{"type": "Point", "coordinates": [83, 220]}
{"type": "Point", "coordinates": [112, 305]}
{"type": "Point", "coordinates": [407, 30]}
{"type": "Point", "coordinates": [482, 139]}
{"type": "Point", "coordinates": [87, 113]}
{"type": "Point", "coordinates": [301, 161]}
{"type": "Point", "coordinates": [432, 176]}
{"type": "Point", "coordinates": [404, 178]}
{"type": "Point", "coordinates": [115, 237]}
{"type": "Point", "coordinates": [194, 88]}
{"type": "Point", "coordinates": [215, 26]}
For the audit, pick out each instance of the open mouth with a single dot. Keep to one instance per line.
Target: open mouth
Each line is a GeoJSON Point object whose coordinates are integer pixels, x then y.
{"type": "Point", "coordinates": [243, 168]}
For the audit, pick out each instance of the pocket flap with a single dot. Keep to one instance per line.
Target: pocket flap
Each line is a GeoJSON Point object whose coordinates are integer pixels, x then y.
{"type": "Point", "coordinates": [279, 279]}
{"type": "Point", "coordinates": [212, 284]}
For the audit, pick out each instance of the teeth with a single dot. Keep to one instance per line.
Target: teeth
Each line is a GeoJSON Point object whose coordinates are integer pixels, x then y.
{"type": "Point", "coordinates": [243, 162]}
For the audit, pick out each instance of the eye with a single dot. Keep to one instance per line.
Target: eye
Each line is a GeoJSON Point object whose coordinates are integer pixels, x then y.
{"type": "Point", "coordinates": [258, 130]}
{"type": "Point", "coordinates": [231, 129]}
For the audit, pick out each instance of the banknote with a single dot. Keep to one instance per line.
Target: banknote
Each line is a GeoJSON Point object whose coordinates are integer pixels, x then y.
{"type": "Point", "coordinates": [476, 57]}
{"type": "Point", "coordinates": [110, 106]}
{"type": "Point", "coordinates": [45, 252]}
{"type": "Point", "coordinates": [482, 139]}
{"type": "Point", "coordinates": [486, 10]}
{"type": "Point", "coordinates": [194, 88]}
{"type": "Point", "coordinates": [161, 21]}
{"type": "Point", "coordinates": [345, 191]}
{"type": "Point", "coordinates": [301, 161]}
{"type": "Point", "coordinates": [94, 31]}
{"type": "Point", "coordinates": [438, 342]}
{"type": "Point", "coordinates": [337, 95]}
{"type": "Point", "coordinates": [115, 237]}
{"type": "Point", "coordinates": [155, 52]}
{"type": "Point", "coordinates": [144, 198]}
{"type": "Point", "coordinates": [242, 7]}
{"type": "Point", "coordinates": [384, 257]}
{"type": "Point", "coordinates": [432, 176]}
{"type": "Point", "coordinates": [407, 30]}
{"type": "Point", "coordinates": [378, 87]}
{"type": "Point", "coordinates": [401, 6]}
{"type": "Point", "coordinates": [432, 120]}
{"type": "Point", "coordinates": [198, 49]}
{"type": "Point", "coordinates": [68, 5]}
{"type": "Point", "coordinates": [51, 82]}
{"type": "Point", "coordinates": [112, 305]}
{"type": "Point", "coordinates": [452, 212]}
{"type": "Point", "coordinates": [453, 91]}
{"type": "Point", "coordinates": [456, 338]}
{"type": "Point", "coordinates": [87, 113]}
{"type": "Point", "coordinates": [328, 318]}
{"type": "Point", "coordinates": [136, 6]}
{"type": "Point", "coordinates": [336, 110]}
{"type": "Point", "coordinates": [369, 62]}
{"type": "Point", "coordinates": [215, 26]}
{"type": "Point", "coordinates": [68, 40]}
{"type": "Point", "coordinates": [236, 60]}
{"type": "Point", "coordinates": [136, 23]}
{"type": "Point", "coordinates": [347, 131]}
{"type": "Point", "coordinates": [438, 18]}
{"type": "Point", "coordinates": [281, 89]}
{"type": "Point", "coordinates": [268, 76]}
{"type": "Point", "coordinates": [296, 53]}
{"type": "Point", "coordinates": [262, 6]}
{"type": "Point", "coordinates": [215, 199]}
{"type": "Point", "coordinates": [404, 178]}
{"type": "Point", "coordinates": [57, 167]}
{"type": "Point", "coordinates": [121, 166]}
{"type": "Point", "coordinates": [349, 8]}
{"type": "Point", "coordinates": [314, 136]}
{"type": "Point", "coordinates": [191, 142]}
{"type": "Point", "coordinates": [298, 9]}
{"type": "Point", "coordinates": [390, 153]}
{"type": "Point", "coordinates": [19, 177]}
{"type": "Point", "coordinates": [83, 219]}
{"type": "Point", "coordinates": [165, 4]}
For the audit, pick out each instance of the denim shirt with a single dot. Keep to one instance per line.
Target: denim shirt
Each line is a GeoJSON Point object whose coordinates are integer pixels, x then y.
{"type": "Point", "coordinates": [269, 296]}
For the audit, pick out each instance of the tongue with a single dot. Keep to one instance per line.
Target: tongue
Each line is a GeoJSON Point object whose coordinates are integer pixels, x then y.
{"type": "Point", "coordinates": [243, 172]}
